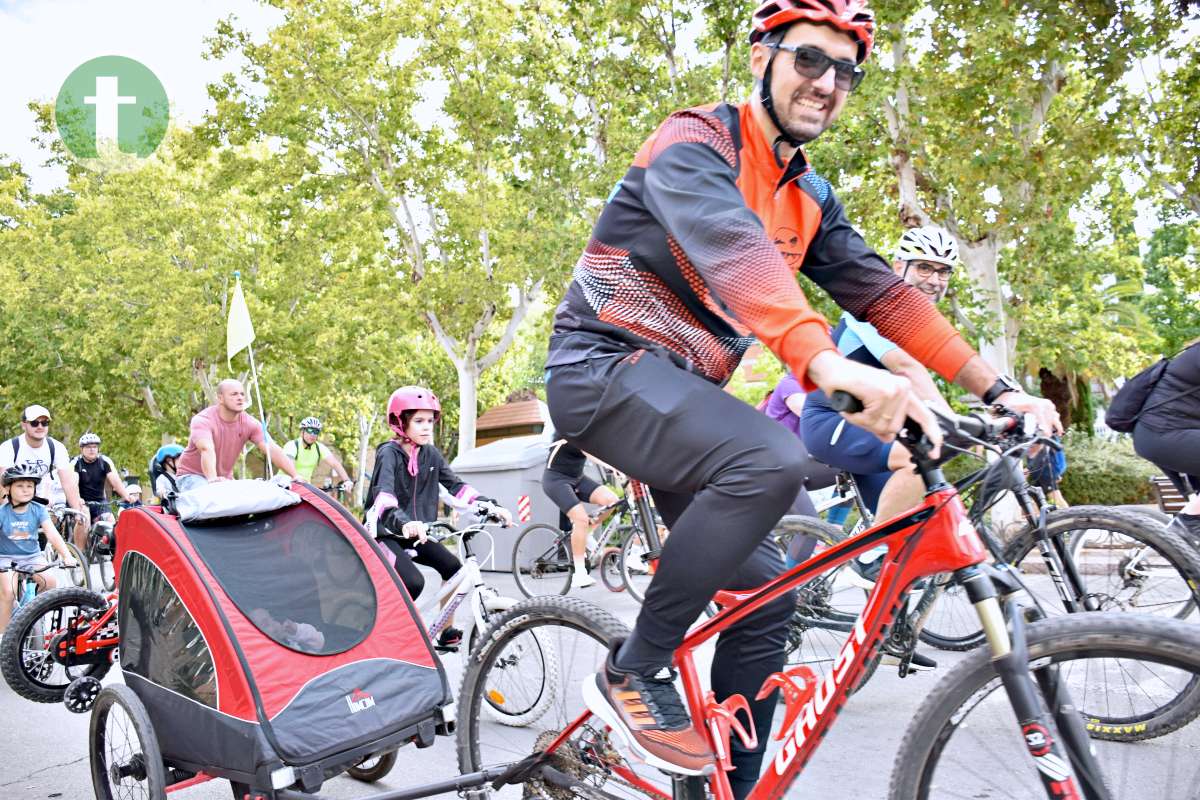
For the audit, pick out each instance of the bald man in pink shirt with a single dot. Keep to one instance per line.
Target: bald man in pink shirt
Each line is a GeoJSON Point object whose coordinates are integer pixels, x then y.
{"type": "Point", "coordinates": [217, 436]}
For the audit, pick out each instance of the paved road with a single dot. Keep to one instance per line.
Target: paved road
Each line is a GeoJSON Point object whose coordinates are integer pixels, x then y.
{"type": "Point", "coordinates": [44, 748]}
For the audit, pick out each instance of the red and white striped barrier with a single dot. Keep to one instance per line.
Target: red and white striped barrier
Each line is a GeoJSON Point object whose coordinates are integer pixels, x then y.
{"type": "Point", "coordinates": [524, 508]}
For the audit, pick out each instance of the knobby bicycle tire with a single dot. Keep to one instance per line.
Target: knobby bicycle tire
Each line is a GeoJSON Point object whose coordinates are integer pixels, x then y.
{"type": "Point", "coordinates": [28, 671]}
{"type": "Point", "coordinates": [826, 606]}
{"type": "Point", "coordinates": [971, 701]}
{"type": "Point", "coordinates": [559, 624]}
{"type": "Point", "coordinates": [1176, 558]}
{"type": "Point", "coordinates": [1173, 553]}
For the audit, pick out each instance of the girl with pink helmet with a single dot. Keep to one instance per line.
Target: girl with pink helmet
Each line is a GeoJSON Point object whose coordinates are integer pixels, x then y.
{"type": "Point", "coordinates": [403, 494]}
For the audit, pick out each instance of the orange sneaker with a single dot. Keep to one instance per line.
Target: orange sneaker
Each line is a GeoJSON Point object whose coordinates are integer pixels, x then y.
{"type": "Point", "coordinates": [648, 714]}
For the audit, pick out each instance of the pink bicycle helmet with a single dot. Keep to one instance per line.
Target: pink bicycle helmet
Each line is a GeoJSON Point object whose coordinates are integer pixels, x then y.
{"type": "Point", "coordinates": [411, 398]}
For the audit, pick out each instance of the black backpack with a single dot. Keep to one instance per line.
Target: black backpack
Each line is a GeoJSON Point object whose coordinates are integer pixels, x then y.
{"type": "Point", "coordinates": [1130, 402]}
{"type": "Point", "coordinates": [16, 446]}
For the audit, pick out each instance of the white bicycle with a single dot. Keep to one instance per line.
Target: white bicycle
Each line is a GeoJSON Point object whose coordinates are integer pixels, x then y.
{"type": "Point", "coordinates": [516, 702]}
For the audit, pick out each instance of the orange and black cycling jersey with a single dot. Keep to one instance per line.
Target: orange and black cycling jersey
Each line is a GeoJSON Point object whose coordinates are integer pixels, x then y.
{"type": "Point", "coordinates": [696, 254]}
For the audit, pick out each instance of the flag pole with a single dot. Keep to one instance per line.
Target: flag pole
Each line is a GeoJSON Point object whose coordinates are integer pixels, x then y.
{"type": "Point", "coordinates": [262, 417]}
{"type": "Point", "coordinates": [239, 334]}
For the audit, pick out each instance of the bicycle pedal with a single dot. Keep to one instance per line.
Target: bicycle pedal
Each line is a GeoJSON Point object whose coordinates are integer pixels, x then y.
{"type": "Point", "coordinates": [446, 648]}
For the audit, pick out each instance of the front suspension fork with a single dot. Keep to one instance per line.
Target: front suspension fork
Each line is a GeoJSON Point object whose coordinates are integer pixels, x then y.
{"type": "Point", "coordinates": [1065, 767]}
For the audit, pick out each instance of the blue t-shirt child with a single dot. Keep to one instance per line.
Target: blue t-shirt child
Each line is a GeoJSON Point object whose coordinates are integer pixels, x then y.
{"type": "Point", "coordinates": [19, 529]}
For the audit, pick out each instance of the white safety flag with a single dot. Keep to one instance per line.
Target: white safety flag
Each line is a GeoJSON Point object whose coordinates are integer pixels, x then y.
{"type": "Point", "coordinates": [241, 332]}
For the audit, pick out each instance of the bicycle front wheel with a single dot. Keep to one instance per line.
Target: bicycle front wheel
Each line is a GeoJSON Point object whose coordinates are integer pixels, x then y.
{"type": "Point", "coordinates": [637, 568]}
{"type": "Point", "coordinates": [80, 575]}
{"type": "Point", "coordinates": [541, 561]}
{"type": "Point", "coordinates": [1126, 562]}
{"type": "Point", "coordinates": [29, 655]}
{"type": "Point", "coordinates": [1132, 677]}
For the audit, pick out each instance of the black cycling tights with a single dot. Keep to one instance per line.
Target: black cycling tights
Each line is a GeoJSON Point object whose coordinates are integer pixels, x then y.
{"type": "Point", "coordinates": [431, 554]}
{"type": "Point", "coordinates": [721, 475]}
{"type": "Point", "coordinates": [1177, 454]}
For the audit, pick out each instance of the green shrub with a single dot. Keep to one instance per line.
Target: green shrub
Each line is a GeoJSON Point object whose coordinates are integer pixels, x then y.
{"type": "Point", "coordinates": [1105, 472]}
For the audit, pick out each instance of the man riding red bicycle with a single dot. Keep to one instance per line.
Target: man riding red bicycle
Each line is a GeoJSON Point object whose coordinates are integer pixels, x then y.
{"type": "Point", "coordinates": [681, 275]}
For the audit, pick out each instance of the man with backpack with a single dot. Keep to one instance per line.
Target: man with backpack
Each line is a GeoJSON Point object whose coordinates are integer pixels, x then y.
{"type": "Point", "coordinates": [36, 446]}
{"type": "Point", "coordinates": [308, 453]}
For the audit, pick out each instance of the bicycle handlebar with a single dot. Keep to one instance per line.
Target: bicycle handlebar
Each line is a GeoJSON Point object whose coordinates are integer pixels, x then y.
{"type": "Point", "coordinates": [67, 511]}
{"type": "Point", "coordinates": [26, 570]}
{"type": "Point", "coordinates": [972, 425]}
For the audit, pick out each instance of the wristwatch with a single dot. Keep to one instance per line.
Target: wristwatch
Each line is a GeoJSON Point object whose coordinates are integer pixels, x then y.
{"type": "Point", "coordinates": [1003, 384]}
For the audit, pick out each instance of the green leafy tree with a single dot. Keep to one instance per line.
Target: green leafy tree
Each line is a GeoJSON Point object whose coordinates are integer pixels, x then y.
{"type": "Point", "coordinates": [992, 120]}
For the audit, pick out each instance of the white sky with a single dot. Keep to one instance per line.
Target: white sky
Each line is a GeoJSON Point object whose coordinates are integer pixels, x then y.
{"type": "Point", "coordinates": [41, 41]}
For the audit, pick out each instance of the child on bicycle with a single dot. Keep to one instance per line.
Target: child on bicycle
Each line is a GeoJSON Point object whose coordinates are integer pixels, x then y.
{"type": "Point", "coordinates": [403, 495]}
{"type": "Point", "coordinates": [20, 521]}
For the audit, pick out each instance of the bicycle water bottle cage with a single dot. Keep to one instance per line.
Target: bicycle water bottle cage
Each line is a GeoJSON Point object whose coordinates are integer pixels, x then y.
{"type": "Point", "coordinates": [723, 720]}
{"type": "Point", "coordinates": [798, 685]}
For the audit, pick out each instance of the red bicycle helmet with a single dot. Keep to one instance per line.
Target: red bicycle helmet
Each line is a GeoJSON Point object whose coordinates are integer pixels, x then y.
{"type": "Point", "coordinates": [411, 398]}
{"type": "Point", "coordinates": [852, 16]}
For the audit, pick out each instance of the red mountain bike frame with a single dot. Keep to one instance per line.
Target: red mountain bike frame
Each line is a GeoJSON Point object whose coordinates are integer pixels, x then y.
{"type": "Point", "coordinates": [936, 537]}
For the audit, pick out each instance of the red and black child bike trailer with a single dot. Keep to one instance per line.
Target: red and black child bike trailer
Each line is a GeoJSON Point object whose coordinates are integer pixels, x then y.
{"type": "Point", "coordinates": [273, 650]}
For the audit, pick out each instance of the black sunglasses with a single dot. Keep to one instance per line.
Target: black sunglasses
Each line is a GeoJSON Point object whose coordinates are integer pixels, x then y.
{"type": "Point", "coordinates": [39, 423]}
{"type": "Point", "coordinates": [812, 63]}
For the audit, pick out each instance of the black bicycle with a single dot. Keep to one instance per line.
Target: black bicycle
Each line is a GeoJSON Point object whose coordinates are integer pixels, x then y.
{"type": "Point", "coordinates": [1083, 558]}
{"type": "Point", "coordinates": [627, 541]}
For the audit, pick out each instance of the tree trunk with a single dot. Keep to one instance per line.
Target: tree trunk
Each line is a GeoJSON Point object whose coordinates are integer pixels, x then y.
{"type": "Point", "coordinates": [366, 423]}
{"type": "Point", "coordinates": [468, 388]}
{"type": "Point", "coordinates": [726, 66]}
{"type": "Point", "coordinates": [1058, 391]}
{"type": "Point", "coordinates": [981, 258]}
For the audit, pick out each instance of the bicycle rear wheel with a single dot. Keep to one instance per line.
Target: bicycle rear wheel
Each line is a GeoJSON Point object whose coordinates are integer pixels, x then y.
{"type": "Point", "coordinates": [1132, 677]}
{"type": "Point", "coordinates": [578, 633]}
{"type": "Point", "coordinates": [541, 561]}
{"type": "Point", "coordinates": [827, 605]}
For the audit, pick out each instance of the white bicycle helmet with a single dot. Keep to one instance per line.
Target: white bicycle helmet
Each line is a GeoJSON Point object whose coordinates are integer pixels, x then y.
{"type": "Point", "coordinates": [89, 438]}
{"type": "Point", "coordinates": [310, 424]}
{"type": "Point", "coordinates": [929, 243]}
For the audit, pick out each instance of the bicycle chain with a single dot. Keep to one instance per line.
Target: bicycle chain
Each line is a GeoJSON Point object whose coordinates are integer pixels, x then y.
{"type": "Point", "coordinates": [567, 760]}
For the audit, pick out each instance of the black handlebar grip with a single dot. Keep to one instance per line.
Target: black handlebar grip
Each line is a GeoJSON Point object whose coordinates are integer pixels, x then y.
{"type": "Point", "coordinates": [845, 402]}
